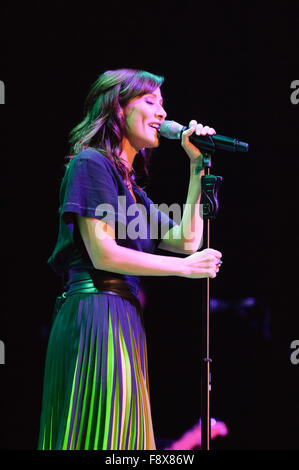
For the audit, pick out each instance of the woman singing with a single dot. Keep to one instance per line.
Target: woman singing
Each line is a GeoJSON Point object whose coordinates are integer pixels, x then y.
{"type": "Point", "coordinates": [96, 388]}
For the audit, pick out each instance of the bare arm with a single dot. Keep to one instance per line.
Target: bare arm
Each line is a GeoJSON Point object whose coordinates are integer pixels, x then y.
{"type": "Point", "coordinates": [187, 237]}
{"type": "Point", "coordinates": [106, 254]}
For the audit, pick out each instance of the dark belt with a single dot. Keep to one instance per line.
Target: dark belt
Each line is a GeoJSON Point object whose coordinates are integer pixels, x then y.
{"type": "Point", "coordinates": [93, 284]}
{"type": "Point", "coordinates": [107, 286]}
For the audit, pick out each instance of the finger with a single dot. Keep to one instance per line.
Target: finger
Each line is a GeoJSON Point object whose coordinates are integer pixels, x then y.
{"type": "Point", "coordinates": [212, 252]}
{"type": "Point", "coordinates": [190, 130]}
{"type": "Point", "coordinates": [199, 129]}
{"type": "Point", "coordinates": [211, 131]}
{"type": "Point", "coordinates": [208, 265]}
{"type": "Point", "coordinates": [215, 259]}
{"type": "Point", "coordinates": [212, 259]}
{"type": "Point", "coordinates": [193, 123]}
{"type": "Point", "coordinates": [205, 130]}
{"type": "Point", "coordinates": [218, 262]}
{"type": "Point", "coordinates": [216, 253]}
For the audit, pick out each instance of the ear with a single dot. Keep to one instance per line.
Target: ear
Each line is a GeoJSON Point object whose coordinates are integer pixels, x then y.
{"type": "Point", "coordinates": [120, 113]}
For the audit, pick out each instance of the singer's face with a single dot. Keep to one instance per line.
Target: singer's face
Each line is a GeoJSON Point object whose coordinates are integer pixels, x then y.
{"type": "Point", "coordinates": [144, 115]}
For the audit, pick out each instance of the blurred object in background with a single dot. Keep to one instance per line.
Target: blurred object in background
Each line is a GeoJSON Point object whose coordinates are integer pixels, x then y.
{"type": "Point", "coordinates": [192, 438]}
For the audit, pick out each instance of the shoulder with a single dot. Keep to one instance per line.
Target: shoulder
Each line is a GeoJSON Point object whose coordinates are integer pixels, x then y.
{"type": "Point", "coordinates": [91, 155]}
{"type": "Point", "coordinates": [94, 169]}
{"type": "Point", "coordinates": [92, 162]}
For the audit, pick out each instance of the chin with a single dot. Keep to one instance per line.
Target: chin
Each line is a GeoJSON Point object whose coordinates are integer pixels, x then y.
{"type": "Point", "coordinates": [152, 144]}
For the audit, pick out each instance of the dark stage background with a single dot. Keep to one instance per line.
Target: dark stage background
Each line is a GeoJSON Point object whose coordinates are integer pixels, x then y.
{"type": "Point", "coordinates": [229, 65]}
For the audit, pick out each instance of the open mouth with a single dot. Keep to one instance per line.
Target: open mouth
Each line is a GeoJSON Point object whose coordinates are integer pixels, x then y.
{"type": "Point", "coordinates": [156, 127]}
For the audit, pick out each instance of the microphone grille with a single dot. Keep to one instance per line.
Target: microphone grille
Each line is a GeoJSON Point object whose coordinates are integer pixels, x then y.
{"type": "Point", "coordinates": [171, 130]}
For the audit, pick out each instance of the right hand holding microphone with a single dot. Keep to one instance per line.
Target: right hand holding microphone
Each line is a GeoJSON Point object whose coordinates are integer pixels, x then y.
{"type": "Point", "coordinates": [202, 264]}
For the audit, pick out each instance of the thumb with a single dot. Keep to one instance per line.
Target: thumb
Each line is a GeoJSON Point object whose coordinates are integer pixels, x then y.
{"type": "Point", "coordinates": [191, 128]}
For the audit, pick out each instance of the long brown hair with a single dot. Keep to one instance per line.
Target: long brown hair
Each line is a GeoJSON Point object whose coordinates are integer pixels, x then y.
{"type": "Point", "coordinates": [103, 125]}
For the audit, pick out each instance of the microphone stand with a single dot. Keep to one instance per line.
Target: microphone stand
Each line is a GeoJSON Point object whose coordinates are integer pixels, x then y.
{"type": "Point", "coordinates": [210, 186]}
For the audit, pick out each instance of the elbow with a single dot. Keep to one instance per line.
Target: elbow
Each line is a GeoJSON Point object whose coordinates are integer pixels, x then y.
{"type": "Point", "coordinates": [189, 250]}
{"type": "Point", "coordinates": [103, 253]}
{"type": "Point", "coordinates": [104, 261]}
{"type": "Point", "coordinates": [192, 246]}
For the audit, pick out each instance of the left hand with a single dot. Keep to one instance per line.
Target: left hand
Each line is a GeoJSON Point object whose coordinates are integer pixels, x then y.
{"type": "Point", "coordinates": [193, 152]}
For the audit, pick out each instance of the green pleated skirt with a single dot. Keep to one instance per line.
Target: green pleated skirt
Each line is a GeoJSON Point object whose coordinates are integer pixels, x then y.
{"type": "Point", "coordinates": [96, 388]}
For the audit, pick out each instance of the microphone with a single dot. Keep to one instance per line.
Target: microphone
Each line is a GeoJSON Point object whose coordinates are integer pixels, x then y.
{"type": "Point", "coordinates": [173, 130]}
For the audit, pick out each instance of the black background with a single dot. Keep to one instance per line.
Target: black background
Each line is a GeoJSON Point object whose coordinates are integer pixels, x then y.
{"type": "Point", "coordinates": [229, 65]}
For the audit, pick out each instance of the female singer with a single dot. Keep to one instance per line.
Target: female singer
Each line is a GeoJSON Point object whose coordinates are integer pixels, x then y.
{"type": "Point", "coordinates": [96, 388]}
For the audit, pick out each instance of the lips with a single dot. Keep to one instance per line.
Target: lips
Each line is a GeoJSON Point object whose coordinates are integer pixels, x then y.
{"type": "Point", "coordinates": [155, 125]}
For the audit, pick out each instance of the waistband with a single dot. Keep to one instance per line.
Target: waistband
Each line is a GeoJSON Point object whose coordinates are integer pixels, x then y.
{"type": "Point", "coordinates": [85, 283]}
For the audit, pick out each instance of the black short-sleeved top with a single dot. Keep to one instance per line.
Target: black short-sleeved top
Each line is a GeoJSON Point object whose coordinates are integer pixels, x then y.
{"type": "Point", "coordinates": [92, 187]}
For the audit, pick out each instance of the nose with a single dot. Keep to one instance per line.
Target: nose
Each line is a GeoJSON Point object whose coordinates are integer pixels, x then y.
{"type": "Point", "coordinates": [161, 112]}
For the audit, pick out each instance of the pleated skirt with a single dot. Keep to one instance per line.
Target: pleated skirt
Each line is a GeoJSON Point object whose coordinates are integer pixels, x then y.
{"type": "Point", "coordinates": [96, 387]}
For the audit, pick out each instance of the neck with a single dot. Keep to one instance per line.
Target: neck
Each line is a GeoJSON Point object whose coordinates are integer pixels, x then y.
{"type": "Point", "coordinates": [128, 153]}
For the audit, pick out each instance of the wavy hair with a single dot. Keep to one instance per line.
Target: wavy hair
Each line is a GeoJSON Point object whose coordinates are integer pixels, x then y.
{"type": "Point", "coordinates": [103, 126]}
